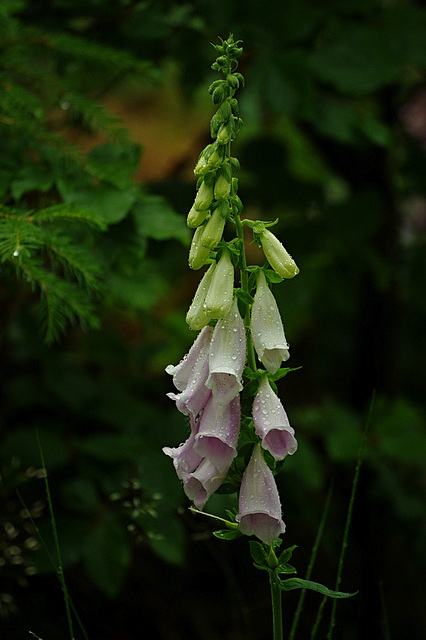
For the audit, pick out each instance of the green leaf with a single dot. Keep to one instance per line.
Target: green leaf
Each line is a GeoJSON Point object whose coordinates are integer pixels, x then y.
{"type": "Point", "coordinates": [156, 219]}
{"type": "Point", "coordinates": [110, 447]}
{"type": "Point", "coordinates": [285, 555]}
{"type": "Point", "coordinates": [258, 553]}
{"type": "Point", "coordinates": [115, 163]}
{"type": "Point", "coordinates": [31, 178]}
{"type": "Point", "coordinates": [227, 534]}
{"type": "Point", "coordinates": [107, 555]}
{"type": "Point", "coordinates": [299, 583]}
{"type": "Point", "coordinates": [285, 568]}
{"type": "Point", "coordinates": [244, 296]}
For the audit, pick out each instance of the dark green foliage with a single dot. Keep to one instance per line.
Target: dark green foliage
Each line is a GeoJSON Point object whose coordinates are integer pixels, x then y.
{"type": "Point", "coordinates": [333, 147]}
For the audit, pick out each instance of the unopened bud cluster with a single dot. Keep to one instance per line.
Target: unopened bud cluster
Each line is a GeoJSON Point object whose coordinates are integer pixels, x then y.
{"type": "Point", "coordinates": [210, 379]}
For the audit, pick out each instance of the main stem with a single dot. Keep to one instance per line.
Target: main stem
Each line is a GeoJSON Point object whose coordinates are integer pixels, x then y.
{"type": "Point", "coordinates": [277, 612]}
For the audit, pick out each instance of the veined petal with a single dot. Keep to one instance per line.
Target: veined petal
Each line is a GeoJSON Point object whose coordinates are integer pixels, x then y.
{"type": "Point", "coordinates": [182, 371]}
{"type": "Point", "coordinates": [271, 422]}
{"type": "Point", "coordinates": [185, 458]}
{"type": "Point", "coordinates": [227, 356]}
{"type": "Point", "coordinates": [218, 431]}
{"type": "Point", "coordinates": [266, 327]}
{"type": "Point", "coordinates": [259, 501]}
{"type": "Point", "coordinates": [203, 482]}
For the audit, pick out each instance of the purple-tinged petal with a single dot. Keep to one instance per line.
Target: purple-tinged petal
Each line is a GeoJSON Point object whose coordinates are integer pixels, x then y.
{"type": "Point", "coordinates": [203, 482]}
{"type": "Point", "coordinates": [185, 458]}
{"type": "Point", "coordinates": [267, 329]}
{"type": "Point", "coordinates": [271, 422]}
{"type": "Point", "coordinates": [259, 501]}
{"type": "Point", "coordinates": [182, 371]}
{"type": "Point", "coordinates": [218, 431]}
{"type": "Point", "coordinates": [227, 356]}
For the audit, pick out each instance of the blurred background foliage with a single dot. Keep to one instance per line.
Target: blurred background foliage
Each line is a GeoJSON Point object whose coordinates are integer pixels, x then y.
{"type": "Point", "coordinates": [103, 111]}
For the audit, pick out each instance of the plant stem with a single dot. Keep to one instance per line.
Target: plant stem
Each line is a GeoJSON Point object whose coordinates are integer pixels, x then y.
{"type": "Point", "coordinates": [276, 600]}
{"type": "Point", "coordinates": [251, 358]}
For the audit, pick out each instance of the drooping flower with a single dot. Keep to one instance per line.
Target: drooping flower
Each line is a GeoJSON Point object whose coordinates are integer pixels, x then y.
{"type": "Point", "coordinates": [185, 458]}
{"type": "Point", "coordinates": [277, 256]}
{"type": "Point", "coordinates": [259, 501]}
{"type": "Point", "coordinates": [267, 329]}
{"type": "Point", "coordinates": [271, 423]}
{"type": "Point", "coordinates": [182, 371]}
{"type": "Point", "coordinates": [200, 484]}
{"type": "Point", "coordinates": [227, 356]}
{"type": "Point", "coordinates": [197, 317]}
{"type": "Point", "coordinates": [218, 300]}
{"type": "Point", "coordinates": [191, 374]}
{"type": "Point", "coordinates": [218, 430]}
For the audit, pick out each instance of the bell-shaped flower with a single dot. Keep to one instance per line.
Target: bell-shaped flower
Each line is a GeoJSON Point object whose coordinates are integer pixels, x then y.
{"type": "Point", "coordinates": [218, 300]}
{"type": "Point", "coordinates": [197, 317]}
{"type": "Point", "coordinates": [266, 327]}
{"type": "Point", "coordinates": [200, 484]}
{"type": "Point", "coordinates": [185, 457]}
{"type": "Point", "coordinates": [218, 431]}
{"type": "Point", "coordinates": [277, 256]}
{"type": "Point", "coordinates": [271, 423]}
{"type": "Point", "coordinates": [190, 376]}
{"type": "Point", "coordinates": [182, 371]}
{"type": "Point", "coordinates": [227, 356]}
{"type": "Point", "coordinates": [259, 501]}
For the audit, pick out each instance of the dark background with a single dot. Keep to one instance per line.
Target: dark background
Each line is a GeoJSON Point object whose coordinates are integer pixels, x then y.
{"type": "Point", "coordinates": [334, 147]}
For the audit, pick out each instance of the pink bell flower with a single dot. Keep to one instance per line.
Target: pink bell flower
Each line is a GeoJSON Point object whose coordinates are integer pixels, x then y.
{"type": "Point", "coordinates": [227, 356]}
{"type": "Point", "coordinates": [191, 374]}
{"type": "Point", "coordinates": [271, 423]}
{"type": "Point", "coordinates": [218, 432]}
{"type": "Point", "coordinates": [259, 501]}
{"type": "Point", "coordinates": [200, 484]}
{"type": "Point", "coordinates": [266, 327]}
{"type": "Point", "coordinates": [185, 458]}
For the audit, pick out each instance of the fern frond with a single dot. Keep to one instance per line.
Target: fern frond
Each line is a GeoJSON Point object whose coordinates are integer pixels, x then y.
{"type": "Point", "coordinates": [95, 117]}
{"type": "Point", "coordinates": [68, 212]}
{"type": "Point", "coordinates": [75, 260]}
{"type": "Point", "coordinates": [61, 302]}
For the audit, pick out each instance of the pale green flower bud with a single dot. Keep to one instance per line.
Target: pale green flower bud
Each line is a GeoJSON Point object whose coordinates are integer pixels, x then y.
{"type": "Point", "coordinates": [195, 217]}
{"type": "Point", "coordinates": [279, 259]}
{"type": "Point", "coordinates": [222, 188]}
{"type": "Point", "coordinates": [218, 301]}
{"type": "Point", "coordinates": [223, 135]}
{"type": "Point", "coordinates": [197, 317]}
{"type": "Point", "coordinates": [213, 230]}
{"type": "Point", "coordinates": [204, 197]}
{"type": "Point", "coordinates": [198, 254]}
{"type": "Point", "coordinates": [215, 159]}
